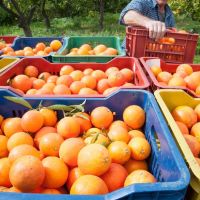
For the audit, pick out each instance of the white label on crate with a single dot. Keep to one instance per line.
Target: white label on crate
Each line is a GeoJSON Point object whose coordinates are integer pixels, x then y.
{"type": "Point", "coordinates": [153, 62]}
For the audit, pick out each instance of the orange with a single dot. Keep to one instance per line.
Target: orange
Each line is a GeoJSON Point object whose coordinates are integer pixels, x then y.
{"type": "Point", "coordinates": [101, 117]}
{"type": "Point", "coordinates": [56, 172]}
{"type": "Point", "coordinates": [118, 123]}
{"type": "Point", "coordinates": [38, 84]}
{"type": "Point", "coordinates": [4, 172]}
{"type": "Point", "coordinates": [183, 128]}
{"type": "Point", "coordinates": [68, 127]}
{"type": "Point", "coordinates": [181, 74]}
{"type": "Point", "coordinates": [64, 79]}
{"type": "Point", "coordinates": [139, 176]}
{"type": "Point", "coordinates": [177, 81]}
{"type": "Point", "coordinates": [94, 159]}
{"type": "Point", "coordinates": [89, 81]}
{"type": "Point", "coordinates": [50, 117]}
{"type": "Point", "coordinates": [110, 52]}
{"type": "Point", "coordinates": [164, 77]}
{"type": "Point", "coordinates": [128, 74]}
{"type": "Point", "coordinates": [88, 71]}
{"type": "Point", "coordinates": [102, 85]}
{"type": "Point", "coordinates": [70, 149]}
{"type": "Point", "coordinates": [197, 110]}
{"type": "Point", "coordinates": [116, 79]}
{"type": "Point", "coordinates": [41, 53]}
{"type": "Point", "coordinates": [52, 79]}
{"type": "Point", "coordinates": [134, 116]}
{"type": "Point", "coordinates": [109, 90]}
{"type": "Point", "coordinates": [12, 126]}
{"type": "Point", "coordinates": [50, 191]}
{"type": "Point", "coordinates": [7, 50]}
{"type": "Point", "coordinates": [4, 189]}
{"type": "Point", "coordinates": [23, 150]}
{"type": "Point", "coordinates": [119, 152]}
{"type": "Point", "coordinates": [48, 50]}
{"type": "Point", "coordinates": [49, 86]}
{"type": "Point", "coordinates": [1, 119]}
{"type": "Point", "coordinates": [136, 133]}
{"type": "Point", "coordinates": [185, 68]}
{"type": "Point", "coordinates": [28, 49]}
{"type": "Point", "coordinates": [156, 70]}
{"type": "Point", "coordinates": [74, 50]}
{"type": "Point", "coordinates": [14, 189]}
{"type": "Point", "coordinates": [98, 139]}
{"type": "Point", "coordinates": [40, 46]}
{"type": "Point", "coordinates": [87, 91]}
{"type": "Point", "coordinates": [43, 131]}
{"type": "Point", "coordinates": [28, 53]}
{"type": "Point", "coordinates": [76, 86]}
{"type": "Point", "coordinates": [77, 75]}
{"type": "Point", "coordinates": [195, 131]}
{"type": "Point", "coordinates": [82, 52]}
{"type": "Point", "coordinates": [66, 70]}
{"type": "Point", "coordinates": [132, 165]}
{"type": "Point", "coordinates": [84, 121]}
{"type": "Point", "coordinates": [111, 70]}
{"type": "Point", "coordinates": [93, 131]}
{"type": "Point", "coordinates": [32, 121]}
{"type": "Point", "coordinates": [18, 139]}
{"type": "Point", "coordinates": [31, 71]}
{"type": "Point", "coordinates": [27, 166]}
{"type": "Point", "coordinates": [140, 148]}
{"type": "Point", "coordinates": [55, 45]}
{"type": "Point", "coordinates": [50, 144]}
{"type": "Point", "coordinates": [44, 76]}
{"type": "Point", "coordinates": [185, 114]}
{"type": "Point", "coordinates": [21, 82]}
{"type": "Point", "coordinates": [44, 91]}
{"type": "Point", "coordinates": [193, 80]}
{"type": "Point", "coordinates": [89, 185]}
{"type": "Point", "coordinates": [197, 91]}
{"type": "Point", "coordinates": [98, 75]}
{"type": "Point", "coordinates": [128, 85]}
{"type": "Point", "coordinates": [119, 133]}
{"type": "Point", "coordinates": [74, 174]}
{"type": "Point", "coordinates": [99, 49]}
{"type": "Point", "coordinates": [193, 143]}
{"type": "Point", "coordinates": [61, 89]}
{"type": "Point", "coordinates": [86, 47]}
{"type": "Point", "coordinates": [115, 177]}
{"type": "Point", "coordinates": [31, 92]}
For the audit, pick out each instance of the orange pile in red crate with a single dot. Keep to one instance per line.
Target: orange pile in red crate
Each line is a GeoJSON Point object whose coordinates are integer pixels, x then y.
{"type": "Point", "coordinates": [80, 153]}
{"type": "Point", "coordinates": [184, 77]}
{"type": "Point", "coordinates": [71, 81]}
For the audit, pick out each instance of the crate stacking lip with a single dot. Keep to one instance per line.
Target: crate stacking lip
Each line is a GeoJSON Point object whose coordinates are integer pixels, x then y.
{"type": "Point", "coordinates": [8, 39]}
{"type": "Point", "coordinates": [147, 62]}
{"type": "Point", "coordinates": [5, 63]}
{"type": "Point", "coordinates": [77, 41]}
{"type": "Point", "coordinates": [43, 65]}
{"type": "Point", "coordinates": [139, 44]}
{"type": "Point", "coordinates": [165, 161]}
{"type": "Point", "coordinates": [168, 100]}
{"type": "Point", "coordinates": [21, 42]}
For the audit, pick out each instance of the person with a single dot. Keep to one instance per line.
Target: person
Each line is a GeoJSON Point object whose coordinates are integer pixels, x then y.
{"type": "Point", "coordinates": [154, 15]}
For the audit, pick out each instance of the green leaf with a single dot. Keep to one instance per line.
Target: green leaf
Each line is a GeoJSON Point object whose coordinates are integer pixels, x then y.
{"type": "Point", "coordinates": [61, 107]}
{"type": "Point", "coordinates": [20, 101]}
{"type": "Point", "coordinates": [81, 116]}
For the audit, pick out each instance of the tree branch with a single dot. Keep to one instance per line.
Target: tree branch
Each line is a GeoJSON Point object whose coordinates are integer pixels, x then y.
{"type": "Point", "coordinates": [32, 10]}
{"type": "Point", "coordinates": [3, 6]}
{"type": "Point", "coordinates": [15, 4]}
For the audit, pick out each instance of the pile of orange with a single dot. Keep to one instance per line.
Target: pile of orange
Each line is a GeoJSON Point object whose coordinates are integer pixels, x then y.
{"type": "Point", "coordinates": [3, 44]}
{"type": "Point", "coordinates": [183, 77]}
{"type": "Point", "coordinates": [188, 121]}
{"type": "Point", "coordinates": [71, 81]}
{"type": "Point", "coordinates": [40, 49]}
{"type": "Point", "coordinates": [99, 50]}
{"type": "Point", "coordinates": [78, 154]}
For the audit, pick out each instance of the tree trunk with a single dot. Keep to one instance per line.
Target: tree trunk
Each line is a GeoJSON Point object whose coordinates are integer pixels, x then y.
{"type": "Point", "coordinates": [46, 17]}
{"type": "Point", "coordinates": [26, 27]}
{"type": "Point", "coordinates": [101, 10]}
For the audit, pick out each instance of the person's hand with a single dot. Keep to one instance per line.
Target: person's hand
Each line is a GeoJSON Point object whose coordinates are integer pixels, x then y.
{"type": "Point", "coordinates": [157, 29]}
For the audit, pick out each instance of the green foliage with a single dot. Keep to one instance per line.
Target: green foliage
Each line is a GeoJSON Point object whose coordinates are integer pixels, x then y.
{"type": "Point", "coordinates": [5, 18]}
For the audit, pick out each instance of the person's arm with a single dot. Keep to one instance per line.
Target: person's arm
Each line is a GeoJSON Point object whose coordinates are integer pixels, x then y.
{"type": "Point", "coordinates": [157, 29]}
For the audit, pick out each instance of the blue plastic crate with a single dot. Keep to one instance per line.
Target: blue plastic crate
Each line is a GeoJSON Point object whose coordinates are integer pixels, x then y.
{"type": "Point", "coordinates": [165, 161]}
{"type": "Point", "coordinates": [21, 42]}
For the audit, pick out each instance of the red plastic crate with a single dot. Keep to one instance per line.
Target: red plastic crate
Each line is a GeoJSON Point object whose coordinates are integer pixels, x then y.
{"type": "Point", "coordinates": [169, 67]}
{"type": "Point", "coordinates": [138, 44]}
{"type": "Point", "coordinates": [140, 79]}
{"type": "Point", "coordinates": [8, 39]}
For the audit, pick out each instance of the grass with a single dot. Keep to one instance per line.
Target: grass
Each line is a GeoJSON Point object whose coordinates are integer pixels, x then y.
{"type": "Point", "coordinates": [88, 26]}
